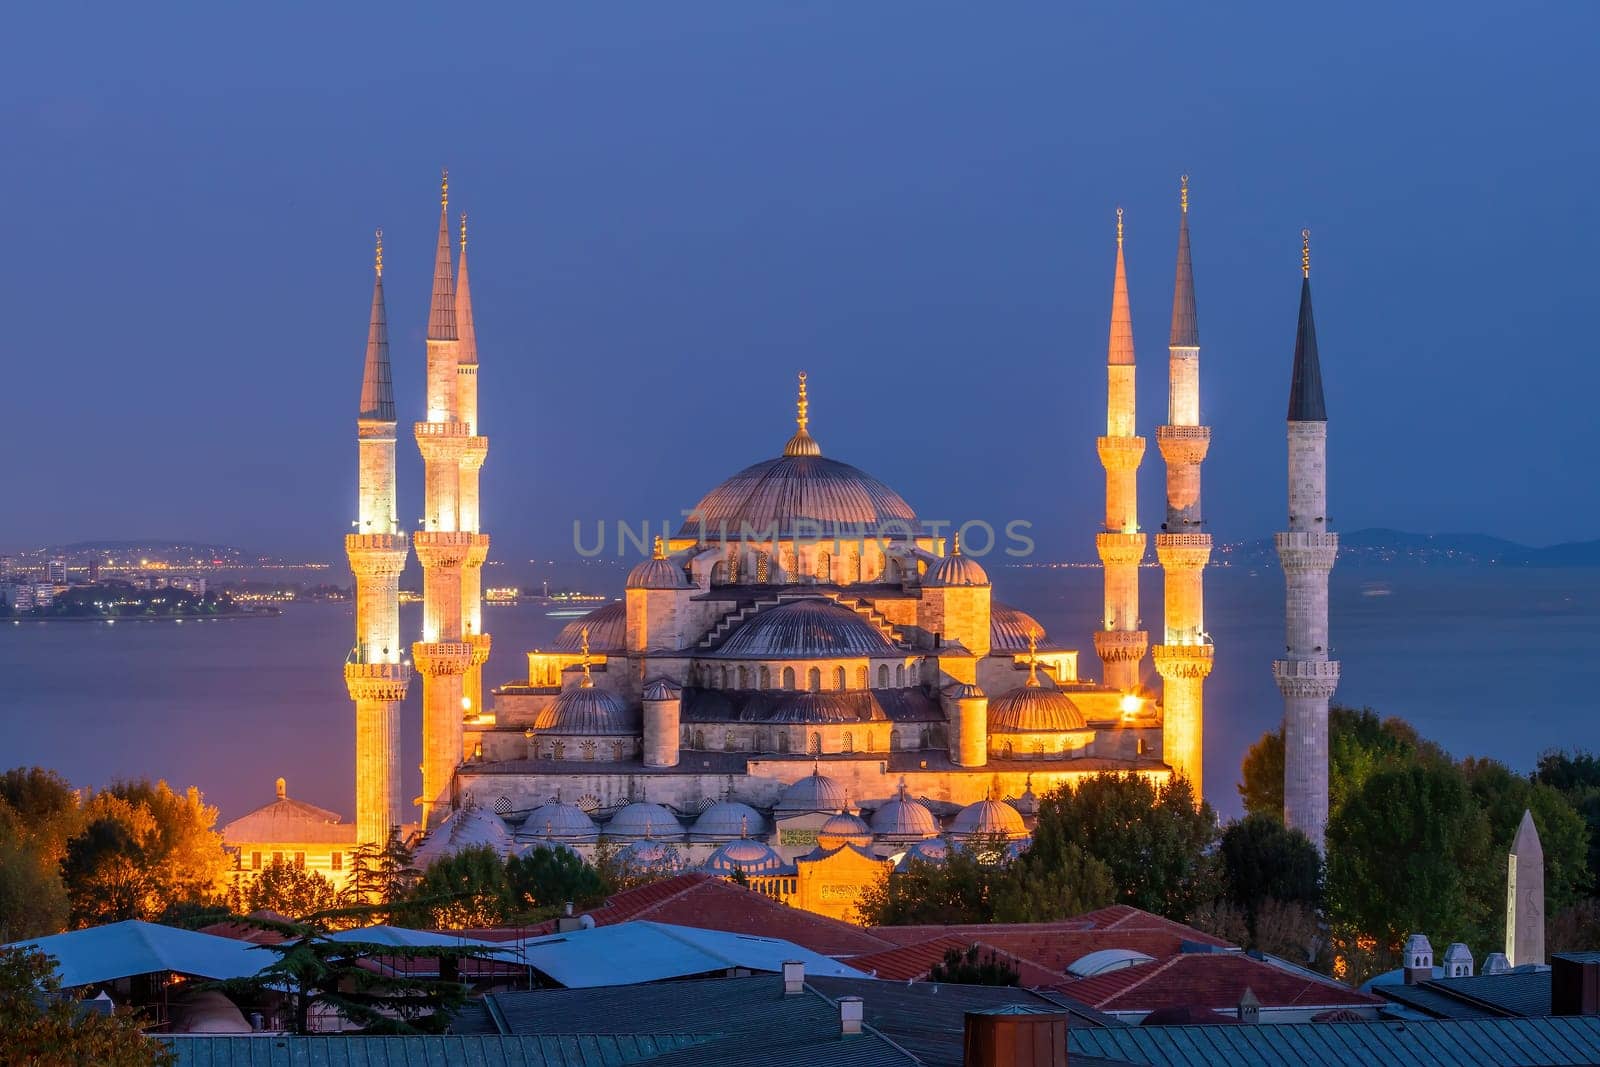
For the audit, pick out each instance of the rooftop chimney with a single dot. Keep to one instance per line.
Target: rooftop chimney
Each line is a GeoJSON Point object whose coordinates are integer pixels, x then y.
{"type": "Point", "coordinates": [1249, 1007]}
{"type": "Point", "coordinates": [1015, 1036]}
{"type": "Point", "coordinates": [849, 1015]}
{"type": "Point", "coordinates": [794, 978]}
{"type": "Point", "coordinates": [1496, 963]}
{"type": "Point", "coordinates": [1575, 983]}
{"type": "Point", "coordinates": [1457, 961]}
{"type": "Point", "coordinates": [1418, 963]}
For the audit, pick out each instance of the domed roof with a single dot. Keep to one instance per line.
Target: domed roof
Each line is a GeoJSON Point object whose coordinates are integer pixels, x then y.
{"type": "Point", "coordinates": [808, 628]}
{"type": "Point", "coordinates": [815, 792]}
{"type": "Point", "coordinates": [956, 569]}
{"type": "Point", "coordinates": [556, 821]}
{"type": "Point", "coordinates": [645, 820]}
{"type": "Point", "coordinates": [587, 710]}
{"type": "Point", "coordinates": [932, 850]}
{"type": "Point", "coordinates": [987, 817]}
{"type": "Point", "coordinates": [729, 818]}
{"type": "Point", "coordinates": [1009, 628]}
{"type": "Point", "coordinates": [745, 856]}
{"type": "Point", "coordinates": [650, 856]}
{"type": "Point", "coordinates": [904, 817]}
{"type": "Point", "coordinates": [469, 826]}
{"type": "Point", "coordinates": [662, 689]}
{"type": "Point", "coordinates": [808, 708]}
{"type": "Point", "coordinates": [844, 829]}
{"type": "Point", "coordinates": [1033, 709]}
{"type": "Point", "coordinates": [657, 572]}
{"type": "Point", "coordinates": [608, 630]}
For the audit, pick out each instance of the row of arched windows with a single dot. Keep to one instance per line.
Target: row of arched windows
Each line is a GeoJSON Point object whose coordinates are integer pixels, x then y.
{"type": "Point", "coordinates": [741, 676]}
{"type": "Point", "coordinates": [757, 567]}
{"type": "Point", "coordinates": [587, 749]}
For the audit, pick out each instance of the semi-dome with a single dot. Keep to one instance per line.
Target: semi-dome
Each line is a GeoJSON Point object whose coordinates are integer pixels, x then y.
{"type": "Point", "coordinates": [904, 817]}
{"type": "Point", "coordinates": [645, 820]}
{"type": "Point", "coordinates": [729, 818]}
{"type": "Point", "coordinates": [956, 569]}
{"type": "Point", "coordinates": [815, 792]}
{"type": "Point", "coordinates": [988, 817]}
{"type": "Point", "coordinates": [1033, 709]}
{"type": "Point", "coordinates": [798, 708]}
{"type": "Point", "coordinates": [662, 689]}
{"type": "Point", "coordinates": [587, 710]}
{"type": "Point", "coordinates": [650, 855]}
{"type": "Point", "coordinates": [608, 630]}
{"type": "Point", "coordinates": [808, 628]}
{"type": "Point", "coordinates": [469, 826]}
{"type": "Point", "coordinates": [1009, 628]}
{"type": "Point", "coordinates": [744, 856]}
{"type": "Point", "coordinates": [933, 850]}
{"type": "Point", "coordinates": [844, 829]}
{"type": "Point", "coordinates": [558, 821]}
{"type": "Point", "coordinates": [657, 572]}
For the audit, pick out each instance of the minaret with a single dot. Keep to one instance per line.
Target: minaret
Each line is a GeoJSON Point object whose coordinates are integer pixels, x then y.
{"type": "Point", "coordinates": [472, 457]}
{"type": "Point", "coordinates": [1183, 659]}
{"type": "Point", "coordinates": [1120, 642]}
{"type": "Point", "coordinates": [1305, 674]}
{"type": "Point", "coordinates": [373, 673]}
{"type": "Point", "coordinates": [443, 656]}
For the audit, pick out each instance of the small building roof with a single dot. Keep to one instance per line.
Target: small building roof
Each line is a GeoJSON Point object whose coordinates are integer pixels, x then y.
{"type": "Point", "coordinates": [121, 950]}
{"type": "Point", "coordinates": [481, 1050]}
{"type": "Point", "coordinates": [1213, 981]}
{"type": "Point", "coordinates": [289, 821]}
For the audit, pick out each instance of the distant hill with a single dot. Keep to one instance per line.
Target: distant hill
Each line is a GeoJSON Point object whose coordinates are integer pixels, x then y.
{"type": "Point", "coordinates": [1397, 548]}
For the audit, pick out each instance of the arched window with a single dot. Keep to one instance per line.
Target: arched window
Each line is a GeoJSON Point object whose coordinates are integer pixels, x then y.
{"type": "Point", "coordinates": [560, 750]}
{"type": "Point", "coordinates": [900, 675]}
{"type": "Point", "coordinates": [733, 564]}
{"type": "Point", "coordinates": [761, 741]}
{"type": "Point", "coordinates": [788, 677]}
{"type": "Point", "coordinates": [871, 744]}
{"type": "Point", "coordinates": [824, 566]}
{"type": "Point", "coordinates": [861, 677]}
{"type": "Point", "coordinates": [814, 679]}
{"type": "Point", "coordinates": [853, 570]}
{"type": "Point", "coordinates": [814, 747]}
{"type": "Point", "coordinates": [838, 677]}
{"type": "Point", "coordinates": [1038, 749]}
{"type": "Point", "coordinates": [883, 676]}
{"type": "Point", "coordinates": [729, 743]}
{"type": "Point", "coordinates": [783, 740]}
{"type": "Point", "coordinates": [791, 565]}
{"type": "Point", "coordinates": [1005, 750]}
{"type": "Point", "coordinates": [913, 673]}
{"type": "Point", "coordinates": [722, 678]}
{"type": "Point", "coordinates": [744, 678]}
{"type": "Point", "coordinates": [847, 743]}
{"type": "Point", "coordinates": [700, 740]}
{"type": "Point", "coordinates": [762, 565]}
{"type": "Point", "coordinates": [766, 677]}
{"type": "Point", "coordinates": [616, 751]}
{"type": "Point", "coordinates": [587, 748]}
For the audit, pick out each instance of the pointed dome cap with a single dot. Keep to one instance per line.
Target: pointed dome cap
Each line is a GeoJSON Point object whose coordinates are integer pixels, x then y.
{"type": "Point", "coordinates": [1305, 391]}
{"type": "Point", "coordinates": [377, 383]}
{"type": "Point", "coordinates": [558, 821]}
{"type": "Point", "coordinates": [956, 569]}
{"type": "Point", "coordinates": [587, 710]}
{"type": "Point", "coordinates": [988, 817]}
{"type": "Point", "coordinates": [658, 572]}
{"type": "Point", "coordinates": [1185, 324]}
{"type": "Point", "coordinates": [904, 817]}
{"type": "Point", "coordinates": [815, 792]}
{"type": "Point", "coordinates": [643, 819]}
{"type": "Point", "coordinates": [442, 308]}
{"type": "Point", "coordinates": [466, 332]}
{"type": "Point", "coordinates": [844, 829]}
{"type": "Point", "coordinates": [662, 689]}
{"type": "Point", "coordinates": [745, 857]}
{"type": "Point", "coordinates": [1119, 349]}
{"type": "Point", "coordinates": [729, 818]}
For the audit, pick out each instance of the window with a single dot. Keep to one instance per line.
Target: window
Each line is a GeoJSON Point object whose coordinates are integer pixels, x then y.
{"type": "Point", "coordinates": [847, 742]}
{"type": "Point", "coordinates": [783, 740]}
{"type": "Point", "coordinates": [861, 677]}
{"type": "Point", "coordinates": [300, 861]}
{"type": "Point", "coordinates": [733, 564]}
{"type": "Point", "coordinates": [616, 751]}
{"type": "Point", "coordinates": [1140, 749]}
{"type": "Point", "coordinates": [502, 805]}
{"type": "Point", "coordinates": [1005, 750]}
{"type": "Point", "coordinates": [761, 568]}
{"type": "Point", "coordinates": [722, 678]}
{"type": "Point", "coordinates": [824, 567]}
{"type": "Point", "coordinates": [765, 677]}
{"type": "Point", "coordinates": [277, 857]}
{"type": "Point", "coordinates": [883, 676]}
{"type": "Point", "coordinates": [815, 747]}
{"type": "Point", "coordinates": [700, 740]}
{"type": "Point", "coordinates": [838, 677]}
{"type": "Point", "coordinates": [744, 678]}
{"type": "Point", "coordinates": [788, 677]}
{"type": "Point", "coordinates": [814, 679]}
{"type": "Point", "coordinates": [587, 748]}
{"type": "Point", "coordinates": [560, 750]}
{"type": "Point", "coordinates": [336, 861]}
{"type": "Point", "coordinates": [255, 861]}
{"type": "Point", "coordinates": [900, 676]}
{"type": "Point", "coordinates": [870, 743]}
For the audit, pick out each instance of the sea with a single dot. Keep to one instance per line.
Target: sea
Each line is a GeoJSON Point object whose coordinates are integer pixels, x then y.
{"type": "Point", "coordinates": [1485, 660]}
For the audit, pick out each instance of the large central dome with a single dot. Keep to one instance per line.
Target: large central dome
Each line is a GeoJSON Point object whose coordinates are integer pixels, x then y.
{"type": "Point", "coordinates": [801, 492]}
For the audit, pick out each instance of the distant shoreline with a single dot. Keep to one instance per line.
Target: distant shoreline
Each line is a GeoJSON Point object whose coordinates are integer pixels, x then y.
{"type": "Point", "coordinates": [142, 618]}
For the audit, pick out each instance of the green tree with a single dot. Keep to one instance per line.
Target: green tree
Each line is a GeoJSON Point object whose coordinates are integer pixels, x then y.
{"type": "Point", "coordinates": [107, 874]}
{"type": "Point", "coordinates": [971, 968]}
{"type": "Point", "coordinates": [1359, 744]}
{"type": "Point", "coordinates": [546, 878]}
{"type": "Point", "coordinates": [467, 888]}
{"type": "Point", "coordinates": [1576, 776]}
{"type": "Point", "coordinates": [33, 899]}
{"type": "Point", "coordinates": [41, 1027]}
{"type": "Point", "coordinates": [1154, 838]}
{"type": "Point", "coordinates": [955, 891]}
{"type": "Point", "coordinates": [1563, 834]}
{"type": "Point", "coordinates": [1035, 890]}
{"type": "Point", "coordinates": [379, 874]}
{"type": "Point", "coordinates": [1264, 860]}
{"type": "Point", "coordinates": [287, 890]}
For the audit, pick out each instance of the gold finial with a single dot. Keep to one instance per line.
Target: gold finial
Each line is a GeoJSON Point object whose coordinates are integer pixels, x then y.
{"type": "Point", "coordinates": [584, 645]}
{"type": "Point", "coordinates": [801, 443]}
{"type": "Point", "coordinates": [378, 263]}
{"type": "Point", "coordinates": [1033, 657]}
{"type": "Point", "coordinates": [661, 548]}
{"type": "Point", "coordinates": [1119, 227]}
{"type": "Point", "coordinates": [802, 405]}
{"type": "Point", "coordinates": [444, 188]}
{"type": "Point", "coordinates": [1183, 193]}
{"type": "Point", "coordinates": [1305, 253]}
{"type": "Point", "coordinates": [956, 546]}
{"type": "Point", "coordinates": [463, 231]}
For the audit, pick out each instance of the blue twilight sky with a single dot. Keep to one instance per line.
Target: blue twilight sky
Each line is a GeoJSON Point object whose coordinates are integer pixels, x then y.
{"type": "Point", "coordinates": [676, 206]}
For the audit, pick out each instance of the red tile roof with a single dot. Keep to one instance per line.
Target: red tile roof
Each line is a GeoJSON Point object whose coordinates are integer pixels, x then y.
{"type": "Point", "coordinates": [1211, 980]}
{"type": "Point", "coordinates": [913, 962]}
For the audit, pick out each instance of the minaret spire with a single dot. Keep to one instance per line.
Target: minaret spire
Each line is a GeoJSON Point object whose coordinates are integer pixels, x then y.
{"type": "Point", "coordinates": [1120, 639]}
{"type": "Point", "coordinates": [442, 311]}
{"type": "Point", "coordinates": [1305, 390]}
{"type": "Point", "coordinates": [463, 307]}
{"type": "Point", "coordinates": [377, 383]}
{"type": "Point", "coordinates": [802, 443]}
{"type": "Point", "coordinates": [1185, 326]}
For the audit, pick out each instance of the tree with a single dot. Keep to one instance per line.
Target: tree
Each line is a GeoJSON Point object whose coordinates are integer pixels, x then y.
{"type": "Point", "coordinates": [1153, 837]}
{"type": "Point", "coordinates": [187, 860]}
{"type": "Point", "coordinates": [1563, 835]}
{"type": "Point", "coordinates": [1068, 882]}
{"type": "Point", "coordinates": [379, 874]}
{"type": "Point", "coordinates": [1576, 776]}
{"type": "Point", "coordinates": [106, 874]}
{"type": "Point", "coordinates": [546, 878]}
{"type": "Point", "coordinates": [1264, 860]}
{"type": "Point", "coordinates": [41, 1026]}
{"type": "Point", "coordinates": [952, 892]}
{"type": "Point", "coordinates": [287, 890]}
{"type": "Point", "coordinates": [33, 900]}
{"type": "Point", "coordinates": [467, 888]}
{"type": "Point", "coordinates": [967, 968]}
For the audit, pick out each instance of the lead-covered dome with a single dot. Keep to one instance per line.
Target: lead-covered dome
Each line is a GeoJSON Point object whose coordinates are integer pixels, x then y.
{"type": "Point", "coordinates": [843, 829]}
{"type": "Point", "coordinates": [988, 817]}
{"type": "Point", "coordinates": [1009, 628]}
{"type": "Point", "coordinates": [729, 818]}
{"type": "Point", "coordinates": [657, 572]}
{"type": "Point", "coordinates": [587, 710]}
{"type": "Point", "coordinates": [645, 820]}
{"type": "Point", "coordinates": [811, 628]}
{"type": "Point", "coordinates": [904, 817]}
{"type": "Point", "coordinates": [557, 821]}
{"type": "Point", "coordinates": [956, 569]}
{"type": "Point", "coordinates": [608, 630]}
{"type": "Point", "coordinates": [1033, 709]}
{"type": "Point", "coordinates": [815, 792]}
{"type": "Point", "coordinates": [744, 857]}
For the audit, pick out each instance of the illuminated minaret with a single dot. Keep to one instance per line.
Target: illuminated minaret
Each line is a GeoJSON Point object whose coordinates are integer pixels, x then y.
{"type": "Point", "coordinates": [1183, 659]}
{"type": "Point", "coordinates": [443, 656]}
{"type": "Point", "coordinates": [472, 457]}
{"type": "Point", "coordinates": [1120, 642]}
{"type": "Point", "coordinates": [1305, 674]}
{"type": "Point", "coordinates": [373, 673]}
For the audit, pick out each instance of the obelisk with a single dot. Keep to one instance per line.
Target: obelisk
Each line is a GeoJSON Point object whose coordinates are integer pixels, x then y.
{"type": "Point", "coordinates": [1525, 896]}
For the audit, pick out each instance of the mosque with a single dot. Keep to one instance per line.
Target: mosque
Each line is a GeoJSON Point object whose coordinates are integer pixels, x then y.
{"type": "Point", "coordinates": [804, 683]}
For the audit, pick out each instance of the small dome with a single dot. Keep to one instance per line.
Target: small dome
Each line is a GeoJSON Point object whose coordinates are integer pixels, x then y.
{"type": "Point", "coordinates": [956, 569]}
{"type": "Point", "coordinates": [1027, 803]}
{"type": "Point", "coordinates": [556, 821]}
{"type": "Point", "coordinates": [587, 710]}
{"type": "Point", "coordinates": [964, 691]}
{"type": "Point", "coordinates": [844, 829]}
{"type": "Point", "coordinates": [1009, 628]}
{"type": "Point", "coordinates": [469, 826]}
{"type": "Point", "coordinates": [744, 856]}
{"type": "Point", "coordinates": [608, 630]}
{"type": "Point", "coordinates": [729, 818]}
{"type": "Point", "coordinates": [645, 820]}
{"type": "Point", "coordinates": [651, 855]}
{"type": "Point", "coordinates": [933, 850]}
{"type": "Point", "coordinates": [815, 792]}
{"type": "Point", "coordinates": [1033, 709]}
{"type": "Point", "coordinates": [662, 689]}
{"type": "Point", "coordinates": [658, 572]}
{"type": "Point", "coordinates": [904, 817]}
{"type": "Point", "coordinates": [810, 628]}
{"type": "Point", "coordinates": [986, 818]}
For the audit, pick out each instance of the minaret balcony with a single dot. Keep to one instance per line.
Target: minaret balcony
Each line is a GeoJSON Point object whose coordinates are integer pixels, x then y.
{"type": "Point", "coordinates": [438, 658]}
{"type": "Point", "coordinates": [474, 451]}
{"type": "Point", "coordinates": [446, 549]}
{"type": "Point", "coordinates": [1305, 550]}
{"type": "Point", "coordinates": [1183, 661]}
{"type": "Point", "coordinates": [376, 544]}
{"type": "Point", "coordinates": [1121, 645]}
{"type": "Point", "coordinates": [481, 644]}
{"type": "Point", "coordinates": [1306, 677]}
{"type": "Point", "coordinates": [1120, 453]}
{"type": "Point", "coordinates": [1183, 446]}
{"type": "Point", "coordinates": [1183, 552]}
{"type": "Point", "coordinates": [1120, 549]}
{"type": "Point", "coordinates": [386, 682]}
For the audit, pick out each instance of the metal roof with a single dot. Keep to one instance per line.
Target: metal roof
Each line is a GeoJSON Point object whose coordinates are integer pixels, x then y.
{"type": "Point", "coordinates": [799, 496]}
{"type": "Point", "coordinates": [587, 710]}
{"type": "Point", "coordinates": [796, 706]}
{"type": "Point", "coordinates": [633, 952]}
{"type": "Point", "coordinates": [1033, 709]}
{"type": "Point", "coordinates": [1518, 992]}
{"type": "Point", "coordinates": [480, 1050]}
{"type": "Point", "coordinates": [120, 950]}
{"type": "Point", "coordinates": [1185, 324]}
{"type": "Point", "coordinates": [377, 384]}
{"type": "Point", "coordinates": [1009, 628]}
{"type": "Point", "coordinates": [808, 628]}
{"type": "Point", "coordinates": [608, 630]}
{"type": "Point", "coordinates": [1550, 1042]}
{"type": "Point", "coordinates": [1305, 391]}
